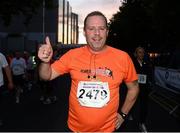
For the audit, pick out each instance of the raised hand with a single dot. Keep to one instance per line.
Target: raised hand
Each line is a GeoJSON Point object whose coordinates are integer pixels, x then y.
{"type": "Point", "coordinates": [45, 51]}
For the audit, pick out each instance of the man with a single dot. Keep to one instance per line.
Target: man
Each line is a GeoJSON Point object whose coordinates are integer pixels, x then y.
{"type": "Point", "coordinates": [7, 71]}
{"type": "Point", "coordinates": [96, 70]}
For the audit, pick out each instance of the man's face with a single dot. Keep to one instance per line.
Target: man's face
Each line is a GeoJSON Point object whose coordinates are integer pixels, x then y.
{"type": "Point", "coordinates": [18, 55]}
{"type": "Point", "coordinates": [96, 32]}
{"type": "Point", "coordinates": [140, 54]}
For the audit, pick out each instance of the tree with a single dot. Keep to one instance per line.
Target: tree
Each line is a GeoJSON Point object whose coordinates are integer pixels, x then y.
{"type": "Point", "coordinates": [130, 26]}
{"type": "Point", "coordinates": [151, 23]}
{"type": "Point", "coordinates": [166, 24]}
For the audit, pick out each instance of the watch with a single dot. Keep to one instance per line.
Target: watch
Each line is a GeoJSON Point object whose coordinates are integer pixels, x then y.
{"type": "Point", "coordinates": [123, 115]}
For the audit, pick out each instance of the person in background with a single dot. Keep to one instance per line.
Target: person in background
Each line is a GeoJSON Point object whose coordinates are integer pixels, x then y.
{"type": "Point", "coordinates": [4, 65]}
{"type": "Point", "coordinates": [18, 67]}
{"type": "Point", "coordinates": [96, 70]}
{"type": "Point", "coordinates": [144, 71]}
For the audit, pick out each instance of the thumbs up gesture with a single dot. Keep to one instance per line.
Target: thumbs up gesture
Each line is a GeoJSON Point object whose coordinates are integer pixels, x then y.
{"type": "Point", "coordinates": [45, 51]}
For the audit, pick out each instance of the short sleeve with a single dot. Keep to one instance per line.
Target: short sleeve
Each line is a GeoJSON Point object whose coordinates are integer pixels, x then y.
{"type": "Point", "coordinates": [62, 64]}
{"type": "Point", "coordinates": [3, 61]}
{"type": "Point", "coordinates": [131, 74]}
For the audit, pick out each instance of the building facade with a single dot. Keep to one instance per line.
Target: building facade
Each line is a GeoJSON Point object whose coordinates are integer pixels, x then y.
{"type": "Point", "coordinates": [67, 24]}
{"type": "Point", "coordinates": [59, 23]}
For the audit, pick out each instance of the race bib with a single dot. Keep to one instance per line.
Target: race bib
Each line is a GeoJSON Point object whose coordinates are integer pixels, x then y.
{"type": "Point", "coordinates": [16, 69]}
{"type": "Point", "coordinates": [142, 78]}
{"type": "Point", "coordinates": [93, 94]}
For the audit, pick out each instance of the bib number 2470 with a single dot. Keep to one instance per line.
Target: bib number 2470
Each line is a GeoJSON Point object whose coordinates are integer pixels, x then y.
{"type": "Point", "coordinates": [93, 94]}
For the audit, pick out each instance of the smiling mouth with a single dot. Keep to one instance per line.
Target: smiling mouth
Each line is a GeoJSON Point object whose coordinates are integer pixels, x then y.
{"type": "Point", "coordinates": [96, 39]}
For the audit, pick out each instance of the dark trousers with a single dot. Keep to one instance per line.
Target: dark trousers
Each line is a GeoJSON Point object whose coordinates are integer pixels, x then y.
{"type": "Point", "coordinates": [140, 108]}
{"type": "Point", "coordinates": [143, 99]}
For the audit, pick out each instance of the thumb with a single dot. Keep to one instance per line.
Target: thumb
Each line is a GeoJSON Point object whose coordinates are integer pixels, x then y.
{"type": "Point", "coordinates": [48, 41]}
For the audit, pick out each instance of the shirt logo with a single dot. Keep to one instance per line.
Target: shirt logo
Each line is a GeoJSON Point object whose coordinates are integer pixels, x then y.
{"type": "Point", "coordinates": [103, 71]}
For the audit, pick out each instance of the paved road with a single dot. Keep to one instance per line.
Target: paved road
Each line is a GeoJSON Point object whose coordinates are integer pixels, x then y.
{"type": "Point", "coordinates": [31, 115]}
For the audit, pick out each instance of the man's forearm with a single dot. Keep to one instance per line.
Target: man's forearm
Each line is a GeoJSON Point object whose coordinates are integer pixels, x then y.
{"type": "Point", "coordinates": [8, 74]}
{"type": "Point", "coordinates": [45, 71]}
{"type": "Point", "coordinates": [130, 100]}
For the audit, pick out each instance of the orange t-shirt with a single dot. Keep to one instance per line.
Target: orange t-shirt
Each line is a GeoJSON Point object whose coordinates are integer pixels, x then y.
{"type": "Point", "coordinates": [112, 66]}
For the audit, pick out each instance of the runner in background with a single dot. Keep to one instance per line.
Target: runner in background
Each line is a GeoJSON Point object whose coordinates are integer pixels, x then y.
{"type": "Point", "coordinates": [144, 71]}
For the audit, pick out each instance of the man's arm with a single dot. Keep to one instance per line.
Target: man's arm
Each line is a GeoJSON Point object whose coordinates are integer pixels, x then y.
{"type": "Point", "coordinates": [46, 72]}
{"type": "Point", "coordinates": [9, 77]}
{"type": "Point", "coordinates": [132, 94]}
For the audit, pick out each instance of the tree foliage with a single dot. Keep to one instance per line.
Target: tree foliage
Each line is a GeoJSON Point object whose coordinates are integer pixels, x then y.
{"type": "Point", "coordinates": [27, 8]}
{"type": "Point", "coordinates": [153, 24]}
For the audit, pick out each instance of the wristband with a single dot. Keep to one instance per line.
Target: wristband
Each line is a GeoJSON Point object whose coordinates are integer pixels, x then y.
{"type": "Point", "coordinates": [123, 115]}
{"type": "Point", "coordinates": [45, 62]}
